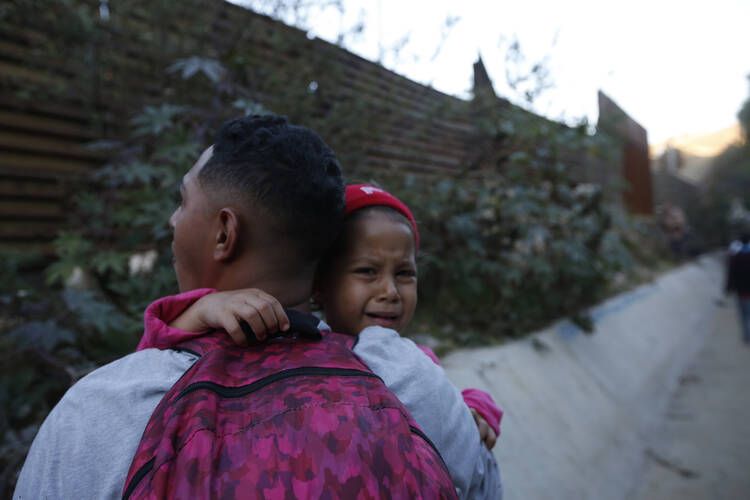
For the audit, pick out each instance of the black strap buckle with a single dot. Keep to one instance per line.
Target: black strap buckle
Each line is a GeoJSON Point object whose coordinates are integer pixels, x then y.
{"type": "Point", "coordinates": [300, 325]}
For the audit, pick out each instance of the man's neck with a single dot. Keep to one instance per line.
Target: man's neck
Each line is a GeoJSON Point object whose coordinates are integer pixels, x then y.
{"type": "Point", "coordinates": [292, 292]}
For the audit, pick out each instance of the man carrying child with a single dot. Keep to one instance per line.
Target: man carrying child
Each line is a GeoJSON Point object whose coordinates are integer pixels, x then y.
{"type": "Point", "coordinates": [258, 210]}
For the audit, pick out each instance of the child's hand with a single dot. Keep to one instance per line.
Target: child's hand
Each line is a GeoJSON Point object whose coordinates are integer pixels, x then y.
{"type": "Point", "coordinates": [225, 310]}
{"type": "Point", "coordinates": [485, 431]}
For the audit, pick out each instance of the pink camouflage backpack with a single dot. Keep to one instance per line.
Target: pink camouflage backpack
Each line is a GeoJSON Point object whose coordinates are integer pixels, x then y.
{"type": "Point", "coordinates": [292, 418]}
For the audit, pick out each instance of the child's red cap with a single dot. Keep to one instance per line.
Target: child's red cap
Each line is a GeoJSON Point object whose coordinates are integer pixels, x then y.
{"type": "Point", "coordinates": [363, 195]}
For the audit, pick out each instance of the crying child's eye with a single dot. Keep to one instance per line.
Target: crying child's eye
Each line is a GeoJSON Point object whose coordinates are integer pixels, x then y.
{"type": "Point", "coordinates": [366, 271]}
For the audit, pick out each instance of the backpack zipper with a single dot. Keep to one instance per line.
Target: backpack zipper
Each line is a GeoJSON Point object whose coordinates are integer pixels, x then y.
{"type": "Point", "coordinates": [140, 474]}
{"type": "Point", "coordinates": [238, 392]}
{"type": "Point", "coordinates": [421, 434]}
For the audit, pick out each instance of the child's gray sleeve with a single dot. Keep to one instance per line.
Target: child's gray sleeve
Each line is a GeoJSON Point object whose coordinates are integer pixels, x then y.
{"type": "Point", "coordinates": [436, 405]}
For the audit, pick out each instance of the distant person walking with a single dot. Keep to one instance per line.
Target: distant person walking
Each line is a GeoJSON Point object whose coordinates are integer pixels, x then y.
{"type": "Point", "coordinates": [738, 281]}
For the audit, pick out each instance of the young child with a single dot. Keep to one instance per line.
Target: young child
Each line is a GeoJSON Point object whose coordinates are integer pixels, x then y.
{"type": "Point", "coordinates": [366, 283]}
{"type": "Point", "coordinates": [369, 278]}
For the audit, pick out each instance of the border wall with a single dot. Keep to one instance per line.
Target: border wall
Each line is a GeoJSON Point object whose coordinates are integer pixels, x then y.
{"type": "Point", "coordinates": [62, 89]}
{"type": "Point", "coordinates": [55, 103]}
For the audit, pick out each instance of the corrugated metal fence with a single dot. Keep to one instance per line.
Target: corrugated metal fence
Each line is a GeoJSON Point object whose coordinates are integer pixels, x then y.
{"type": "Point", "coordinates": [54, 99]}
{"type": "Point", "coordinates": [62, 88]}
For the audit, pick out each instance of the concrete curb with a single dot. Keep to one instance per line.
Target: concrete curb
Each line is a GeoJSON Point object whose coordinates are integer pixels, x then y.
{"type": "Point", "coordinates": [579, 408]}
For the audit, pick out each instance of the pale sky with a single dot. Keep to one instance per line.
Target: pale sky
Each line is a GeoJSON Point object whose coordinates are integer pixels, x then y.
{"type": "Point", "coordinates": [676, 67]}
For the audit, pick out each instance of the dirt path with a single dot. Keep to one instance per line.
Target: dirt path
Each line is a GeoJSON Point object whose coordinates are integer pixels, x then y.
{"type": "Point", "coordinates": [702, 450]}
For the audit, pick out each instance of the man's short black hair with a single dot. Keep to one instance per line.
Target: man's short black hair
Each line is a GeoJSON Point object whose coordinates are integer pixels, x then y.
{"type": "Point", "coordinates": [288, 171]}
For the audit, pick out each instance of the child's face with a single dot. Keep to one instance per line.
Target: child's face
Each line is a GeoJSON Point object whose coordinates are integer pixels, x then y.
{"type": "Point", "coordinates": [375, 281]}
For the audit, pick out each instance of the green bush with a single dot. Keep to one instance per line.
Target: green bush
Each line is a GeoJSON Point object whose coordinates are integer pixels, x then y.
{"type": "Point", "coordinates": [503, 258]}
{"type": "Point", "coordinates": [50, 339]}
{"type": "Point", "coordinates": [518, 243]}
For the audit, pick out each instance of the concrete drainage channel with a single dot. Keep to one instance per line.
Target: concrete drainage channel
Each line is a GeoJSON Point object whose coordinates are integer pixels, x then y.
{"type": "Point", "coordinates": [581, 409]}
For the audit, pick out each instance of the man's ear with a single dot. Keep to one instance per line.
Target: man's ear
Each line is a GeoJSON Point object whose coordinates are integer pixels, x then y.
{"type": "Point", "coordinates": [227, 241]}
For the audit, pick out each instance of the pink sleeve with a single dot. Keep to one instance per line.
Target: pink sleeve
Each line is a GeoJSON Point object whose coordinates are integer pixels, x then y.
{"type": "Point", "coordinates": [157, 332]}
{"type": "Point", "coordinates": [483, 403]}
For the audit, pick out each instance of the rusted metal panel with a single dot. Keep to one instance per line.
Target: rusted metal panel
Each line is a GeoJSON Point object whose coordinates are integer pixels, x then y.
{"type": "Point", "coordinates": [636, 170]}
